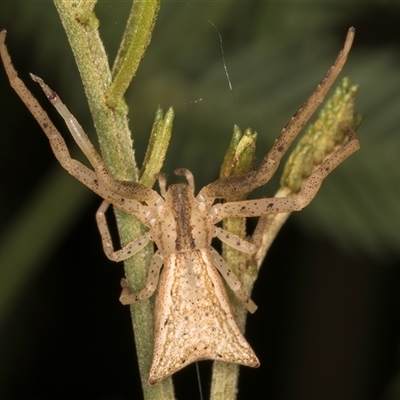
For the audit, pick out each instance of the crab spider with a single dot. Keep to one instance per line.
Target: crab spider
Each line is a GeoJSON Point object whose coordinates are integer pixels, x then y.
{"type": "Point", "coordinates": [193, 319]}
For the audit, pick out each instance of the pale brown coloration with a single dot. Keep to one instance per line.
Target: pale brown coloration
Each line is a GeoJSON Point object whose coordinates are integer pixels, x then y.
{"type": "Point", "coordinates": [193, 318]}
{"type": "Point", "coordinates": [198, 322]}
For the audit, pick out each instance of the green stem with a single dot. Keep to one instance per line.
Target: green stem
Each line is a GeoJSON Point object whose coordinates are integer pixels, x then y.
{"type": "Point", "coordinates": [85, 10]}
{"type": "Point", "coordinates": [81, 27]}
{"type": "Point", "coordinates": [134, 44]}
{"type": "Point", "coordinates": [158, 143]}
{"type": "Point", "coordinates": [238, 160]}
{"type": "Point", "coordinates": [319, 141]}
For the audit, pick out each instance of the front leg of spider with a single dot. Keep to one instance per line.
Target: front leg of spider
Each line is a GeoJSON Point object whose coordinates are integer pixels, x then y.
{"type": "Point", "coordinates": [126, 197]}
{"type": "Point", "coordinates": [276, 205]}
{"type": "Point", "coordinates": [243, 184]}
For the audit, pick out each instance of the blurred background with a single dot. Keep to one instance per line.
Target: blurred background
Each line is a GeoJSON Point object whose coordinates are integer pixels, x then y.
{"type": "Point", "coordinates": [328, 321]}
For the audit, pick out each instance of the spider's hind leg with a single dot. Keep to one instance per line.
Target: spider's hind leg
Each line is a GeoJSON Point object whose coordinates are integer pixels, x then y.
{"type": "Point", "coordinates": [151, 284]}
{"type": "Point", "coordinates": [232, 281]}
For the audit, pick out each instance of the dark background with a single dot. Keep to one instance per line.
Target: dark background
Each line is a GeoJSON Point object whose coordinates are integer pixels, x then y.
{"type": "Point", "coordinates": [327, 326]}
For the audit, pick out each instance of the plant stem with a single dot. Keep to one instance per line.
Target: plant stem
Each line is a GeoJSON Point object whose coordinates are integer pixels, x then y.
{"type": "Point", "coordinates": [116, 147]}
{"type": "Point", "coordinates": [133, 46]}
{"type": "Point", "coordinates": [238, 160]}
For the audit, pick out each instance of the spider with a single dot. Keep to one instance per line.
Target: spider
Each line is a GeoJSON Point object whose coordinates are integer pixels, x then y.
{"type": "Point", "coordinates": [193, 319]}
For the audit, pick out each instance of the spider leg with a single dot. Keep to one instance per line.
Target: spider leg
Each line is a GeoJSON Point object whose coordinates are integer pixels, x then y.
{"type": "Point", "coordinates": [109, 188]}
{"type": "Point", "coordinates": [152, 281]}
{"type": "Point", "coordinates": [127, 189]}
{"type": "Point", "coordinates": [128, 250]}
{"type": "Point", "coordinates": [235, 241]}
{"type": "Point", "coordinates": [237, 185]}
{"type": "Point", "coordinates": [276, 205]}
{"type": "Point", "coordinates": [232, 281]}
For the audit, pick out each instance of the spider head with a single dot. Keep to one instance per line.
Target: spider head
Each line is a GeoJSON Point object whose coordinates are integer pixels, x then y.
{"type": "Point", "coordinates": [183, 223]}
